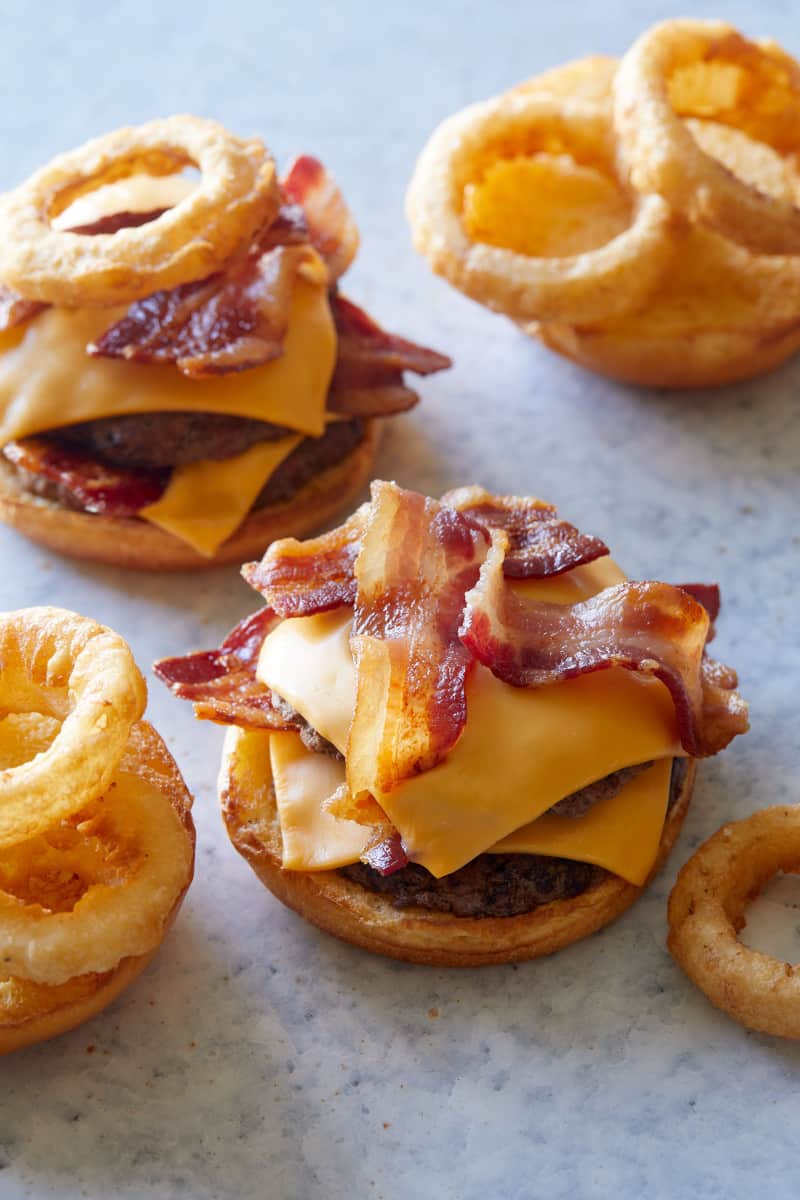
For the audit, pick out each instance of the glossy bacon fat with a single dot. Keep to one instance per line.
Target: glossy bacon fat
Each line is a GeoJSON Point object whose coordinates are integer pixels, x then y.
{"type": "Point", "coordinates": [222, 684]}
{"type": "Point", "coordinates": [652, 628]}
{"type": "Point", "coordinates": [431, 599]}
{"type": "Point", "coordinates": [540, 543]}
{"type": "Point", "coordinates": [418, 560]}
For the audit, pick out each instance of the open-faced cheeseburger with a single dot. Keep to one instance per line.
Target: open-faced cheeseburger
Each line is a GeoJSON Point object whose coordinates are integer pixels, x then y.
{"type": "Point", "coordinates": [462, 736]}
{"type": "Point", "coordinates": [180, 380]}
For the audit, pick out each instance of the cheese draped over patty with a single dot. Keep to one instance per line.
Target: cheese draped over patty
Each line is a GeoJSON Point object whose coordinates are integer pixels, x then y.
{"type": "Point", "coordinates": [47, 380]}
{"type": "Point", "coordinates": [522, 750]}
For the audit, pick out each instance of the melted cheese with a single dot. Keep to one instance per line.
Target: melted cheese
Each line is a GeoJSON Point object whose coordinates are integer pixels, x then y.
{"type": "Point", "coordinates": [522, 749]}
{"type": "Point", "coordinates": [621, 834]}
{"type": "Point", "coordinates": [313, 840]}
{"type": "Point", "coordinates": [47, 379]}
{"type": "Point", "coordinates": [206, 502]}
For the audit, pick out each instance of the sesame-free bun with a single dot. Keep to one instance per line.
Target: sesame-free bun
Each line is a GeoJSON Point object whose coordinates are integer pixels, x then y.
{"type": "Point", "coordinates": [370, 920]}
{"type": "Point", "coordinates": [132, 542]}
{"type": "Point", "coordinates": [33, 1012]}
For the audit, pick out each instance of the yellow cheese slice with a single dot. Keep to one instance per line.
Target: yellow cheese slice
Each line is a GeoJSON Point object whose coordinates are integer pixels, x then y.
{"type": "Point", "coordinates": [522, 749]}
{"type": "Point", "coordinates": [47, 379]}
{"type": "Point", "coordinates": [205, 502]}
{"type": "Point", "coordinates": [621, 834]}
{"type": "Point", "coordinates": [313, 840]}
{"type": "Point", "coordinates": [307, 661]}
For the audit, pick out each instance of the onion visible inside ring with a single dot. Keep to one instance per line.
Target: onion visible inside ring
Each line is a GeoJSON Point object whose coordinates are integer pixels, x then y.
{"type": "Point", "coordinates": [756, 88]}
{"type": "Point", "coordinates": [96, 888]}
{"type": "Point", "coordinates": [462, 154]}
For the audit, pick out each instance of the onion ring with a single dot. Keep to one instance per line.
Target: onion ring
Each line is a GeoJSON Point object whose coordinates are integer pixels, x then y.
{"type": "Point", "coordinates": [720, 313]}
{"type": "Point", "coordinates": [659, 153]}
{"type": "Point", "coordinates": [238, 192]}
{"type": "Point", "coordinates": [706, 910]}
{"type": "Point", "coordinates": [99, 887]}
{"type": "Point", "coordinates": [613, 278]}
{"type": "Point", "coordinates": [60, 665]}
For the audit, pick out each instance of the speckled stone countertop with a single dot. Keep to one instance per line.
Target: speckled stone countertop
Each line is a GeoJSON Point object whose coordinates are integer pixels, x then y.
{"type": "Point", "coordinates": [257, 1057]}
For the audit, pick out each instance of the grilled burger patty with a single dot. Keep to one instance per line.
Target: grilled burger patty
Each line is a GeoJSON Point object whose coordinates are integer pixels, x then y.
{"type": "Point", "coordinates": [309, 457]}
{"type": "Point", "coordinates": [492, 885]}
{"type": "Point", "coordinates": [168, 439]}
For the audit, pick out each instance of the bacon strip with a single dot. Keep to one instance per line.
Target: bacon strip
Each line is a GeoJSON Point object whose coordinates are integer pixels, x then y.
{"type": "Point", "coordinates": [93, 486]}
{"type": "Point", "coordinates": [222, 683]}
{"type": "Point", "coordinates": [652, 628]}
{"type": "Point", "coordinates": [706, 594]}
{"type": "Point", "coordinates": [300, 578]}
{"type": "Point", "coordinates": [368, 356]}
{"type": "Point", "coordinates": [372, 401]}
{"type": "Point", "coordinates": [417, 561]}
{"type": "Point", "coordinates": [386, 856]}
{"type": "Point", "coordinates": [332, 230]}
{"type": "Point", "coordinates": [539, 542]}
{"type": "Point", "coordinates": [232, 321]}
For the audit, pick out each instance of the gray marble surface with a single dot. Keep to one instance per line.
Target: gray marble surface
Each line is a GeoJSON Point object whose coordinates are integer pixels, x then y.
{"type": "Point", "coordinates": [257, 1057]}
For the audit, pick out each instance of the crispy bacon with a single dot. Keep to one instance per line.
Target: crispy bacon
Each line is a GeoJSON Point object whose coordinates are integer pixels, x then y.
{"type": "Point", "coordinates": [651, 628]}
{"type": "Point", "coordinates": [706, 594]}
{"type": "Point", "coordinates": [222, 683]}
{"type": "Point", "coordinates": [332, 230]}
{"type": "Point", "coordinates": [300, 578]}
{"type": "Point", "coordinates": [372, 401]}
{"type": "Point", "coordinates": [540, 543]}
{"type": "Point", "coordinates": [386, 856]}
{"type": "Point", "coordinates": [232, 321]}
{"type": "Point", "coordinates": [368, 356]}
{"type": "Point", "coordinates": [93, 486]}
{"type": "Point", "coordinates": [417, 561]}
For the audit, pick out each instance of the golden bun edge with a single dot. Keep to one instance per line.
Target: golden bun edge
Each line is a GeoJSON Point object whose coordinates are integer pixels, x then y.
{"type": "Point", "coordinates": [370, 921]}
{"type": "Point", "coordinates": [135, 543]}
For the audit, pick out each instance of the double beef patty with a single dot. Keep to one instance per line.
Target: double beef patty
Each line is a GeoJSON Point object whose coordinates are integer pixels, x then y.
{"type": "Point", "coordinates": [155, 441]}
{"type": "Point", "coordinates": [494, 885]}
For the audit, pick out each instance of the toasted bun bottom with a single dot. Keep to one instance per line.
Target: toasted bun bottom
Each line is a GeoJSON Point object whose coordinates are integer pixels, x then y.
{"type": "Point", "coordinates": [33, 1012]}
{"type": "Point", "coordinates": [698, 359]}
{"type": "Point", "coordinates": [371, 921]}
{"type": "Point", "coordinates": [131, 542]}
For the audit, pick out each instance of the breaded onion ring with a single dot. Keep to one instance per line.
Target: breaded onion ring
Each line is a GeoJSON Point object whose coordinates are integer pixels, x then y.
{"type": "Point", "coordinates": [659, 153]}
{"type": "Point", "coordinates": [128, 855]}
{"type": "Point", "coordinates": [706, 910]}
{"type": "Point", "coordinates": [613, 278]}
{"type": "Point", "coordinates": [237, 193]}
{"type": "Point", "coordinates": [67, 667]}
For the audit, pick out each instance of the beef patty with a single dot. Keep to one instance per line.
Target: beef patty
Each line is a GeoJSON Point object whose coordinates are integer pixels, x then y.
{"type": "Point", "coordinates": [309, 457]}
{"type": "Point", "coordinates": [492, 885]}
{"type": "Point", "coordinates": [168, 439]}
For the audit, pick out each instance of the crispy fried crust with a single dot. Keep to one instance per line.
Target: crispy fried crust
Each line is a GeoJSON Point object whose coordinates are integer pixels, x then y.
{"type": "Point", "coordinates": [369, 920]}
{"type": "Point", "coordinates": [130, 542]}
{"type": "Point", "coordinates": [33, 1012]}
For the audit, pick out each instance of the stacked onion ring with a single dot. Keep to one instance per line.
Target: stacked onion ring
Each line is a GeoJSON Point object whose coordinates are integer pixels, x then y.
{"type": "Point", "coordinates": [96, 837]}
{"type": "Point", "coordinates": [640, 218]}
